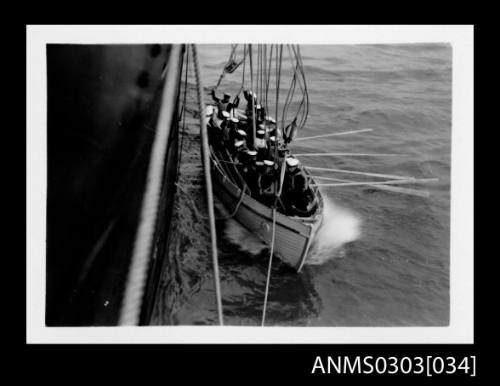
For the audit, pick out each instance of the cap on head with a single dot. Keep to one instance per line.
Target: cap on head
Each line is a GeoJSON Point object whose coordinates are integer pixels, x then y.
{"type": "Point", "coordinates": [261, 126]}
{"type": "Point", "coordinates": [292, 162]}
{"type": "Point", "coordinates": [226, 95]}
{"type": "Point", "coordinates": [242, 133]}
{"type": "Point", "coordinates": [239, 143]}
{"type": "Point", "coordinates": [272, 139]}
{"type": "Point", "coordinates": [259, 163]}
{"type": "Point", "coordinates": [261, 133]}
{"type": "Point", "coordinates": [251, 152]}
{"type": "Point", "coordinates": [235, 120]}
{"type": "Point", "coordinates": [225, 114]}
{"type": "Point", "coordinates": [259, 107]}
{"type": "Point", "coordinates": [268, 162]}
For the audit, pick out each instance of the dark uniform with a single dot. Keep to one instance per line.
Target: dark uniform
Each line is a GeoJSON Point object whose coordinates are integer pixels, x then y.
{"type": "Point", "coordinates": [266, 185]}
{"type": "Point", "coordinates": [261, 145]}
{"type": "Point", "coordinates": [247, 168]}
{"type": "Point", "coordinates": [224, 104]}
{"type": "Point", "coordinates": [238, 150]}
{"type": "Point", "coordinates": [248, 97]}
{"type": "Point", "coordinates": [297, 195]}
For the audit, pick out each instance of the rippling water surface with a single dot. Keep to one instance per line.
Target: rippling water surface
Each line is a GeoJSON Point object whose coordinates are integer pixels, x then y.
{"type": "Point", "coordinates": [383, 259]}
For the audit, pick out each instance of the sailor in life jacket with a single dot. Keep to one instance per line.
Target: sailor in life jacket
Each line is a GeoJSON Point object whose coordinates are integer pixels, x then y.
{"type": "Point", "coordinates": [217, 122]}
{"type": "Point", "coordinates": [249, 95]}
{"type": "Point", "coordinates": [261, 114]}
{"type": "Point", "coordinates": [271, 144]}
{"type": "Point", "coordinates": [260, 167]}
{"type": "Point", "coordinates": [297, 195]}
{"type": "Point", "coordinates": [224, 104]}
{"type": "Point", "coordinates": [266, 183]}
{"type": "Point", "coordinates": [248, 169]}
{"type": "Point", "coordinates": [238, 150]}
{"type": "Point", "coordinates": [260, 143]}
{"type": "Point", "coordinates": [231, 129]}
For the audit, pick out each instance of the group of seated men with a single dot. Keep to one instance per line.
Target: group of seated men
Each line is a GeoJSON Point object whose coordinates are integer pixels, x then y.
{"type": "Point", "coordinates": [258, 159]}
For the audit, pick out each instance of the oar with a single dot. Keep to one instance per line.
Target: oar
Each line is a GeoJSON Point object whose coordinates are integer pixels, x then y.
{"type": "Point", "coordinates": [333, 134]}
{"type": "Point", "coordinates": [347, 154]}
{"type": "Point", "coordinates": [390, 188]}
{"type": "Point", "coordinates": [390, 182]}
{"type": "Point", "coordinates": [360, 173]}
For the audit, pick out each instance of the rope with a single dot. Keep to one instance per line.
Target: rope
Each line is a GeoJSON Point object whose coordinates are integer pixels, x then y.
{"type": "Point", "coordinates": [208, 181]}
{"type": "Point", "coordinates": [136, 279]}
{"type": "Point", "coordinates": [268, 279]}
{"type": "Point", "coordinates": [244, 65]}
{"type": "Point", "coordinates": [181, 147]}
{"type": "Point", "coordinates": [230, 66]}
{"type": "Point", "coordinates": [253, 96]}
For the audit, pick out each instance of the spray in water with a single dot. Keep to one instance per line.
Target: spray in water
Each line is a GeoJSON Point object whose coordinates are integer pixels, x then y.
{"type": "Point", "coordinates": [339, 226]}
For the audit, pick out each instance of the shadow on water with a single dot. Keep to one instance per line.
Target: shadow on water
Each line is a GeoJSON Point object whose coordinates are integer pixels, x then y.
{"type": "Point", "coordinates": [244, 263]}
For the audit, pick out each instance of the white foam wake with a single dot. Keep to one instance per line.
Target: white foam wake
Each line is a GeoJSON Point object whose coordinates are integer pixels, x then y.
{"type": "Point", "coordinates": [340, 226]}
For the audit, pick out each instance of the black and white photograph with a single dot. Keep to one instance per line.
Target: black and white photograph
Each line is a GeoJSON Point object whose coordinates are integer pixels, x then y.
{"type": "Point", "coordinates": [313, 180]}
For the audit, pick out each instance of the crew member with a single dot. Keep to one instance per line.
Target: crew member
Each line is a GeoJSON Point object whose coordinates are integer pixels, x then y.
{"type": "Point", "coordinates": [248, 169]}
{"type": "Point", "coordinates": [296, 192]}
{"type": "Point", "coordinates": [238, 149]}
{"type": "Point", "coordinates": [224, 104]}
{"type": "Point", "coordinates": [260, 143]}
{"type": "Point", "coordinates": [230, 131]}
{"type": "Point", "coordinates": [249, 95]}
{"type": "Point", "coordinates": [266, 183]}
{"type": "Point", "coordinates": [218, 126]}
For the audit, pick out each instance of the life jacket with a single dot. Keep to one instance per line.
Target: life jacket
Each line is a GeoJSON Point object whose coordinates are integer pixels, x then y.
{"type": "Point", "coordinates": [297, 181]}
{"type": "Point", "coordinates": [222, 106]}
{"type": "Point", "coordinates": [266, 183]}
{"type": "Point", "coordinates": [260, 143]}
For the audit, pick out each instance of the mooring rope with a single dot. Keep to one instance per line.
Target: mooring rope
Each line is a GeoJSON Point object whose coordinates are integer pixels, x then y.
{"type": "Point", "coordinates": [137, 274]}
{"type": "Point", "coordinates": [208, 181]}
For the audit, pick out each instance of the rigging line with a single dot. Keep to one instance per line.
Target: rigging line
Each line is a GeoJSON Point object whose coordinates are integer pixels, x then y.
{"type": "Point", "coordinates": [257, 86]}
{"type": "Point", "coordinates": [278, 78]}
{"type": "Point", "coordinates": [231, 60]}
{"type": "Point", "coordinates": [268, 278]}
{"type": "Point", "coordinates": [244, 65]}
{"type": "Point", "coordinates": [301, 105]}
{"type": "Point", "coordinates": [291, 93]}
{"type": "Point", "coordinates": [253, 95]}
{"type": "Point", "coordinates": [208, 180]}
{"type": "Point", "coordinates": [257, 90]}
{"type": "Point", "coordinates": [263, 80]}
{"type": "Point", "coordinates": [262, 64]}
{"type": "Point", "coordinates": [299, 58]}
{"type": "Point", "coordinates": [302, 109]}
{"type": "Point", "coordinates": [268, 78]}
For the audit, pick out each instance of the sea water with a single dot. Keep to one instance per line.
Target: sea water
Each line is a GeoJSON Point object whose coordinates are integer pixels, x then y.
{"type": "Point", "coordinates": [380, 258]}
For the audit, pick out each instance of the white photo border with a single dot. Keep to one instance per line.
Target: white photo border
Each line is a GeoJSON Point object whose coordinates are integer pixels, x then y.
{"type": "Point", "coordinates": [461, 327]}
